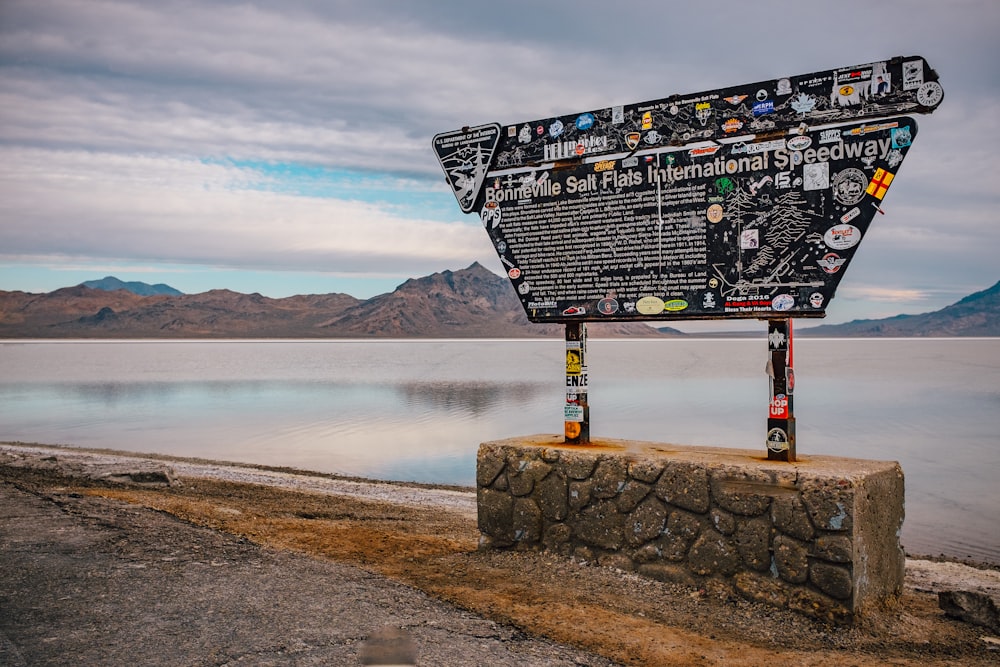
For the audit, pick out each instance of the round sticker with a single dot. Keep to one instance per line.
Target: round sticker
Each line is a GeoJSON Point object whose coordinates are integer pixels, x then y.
{"type": "Point", "coordinates": [842, 237]}
{"type": "Point", "coordinates": [849, 186]}
{"type": "Point", "coordinates": [514, 273]}
{"type": "Point", "coordinates": [783, 302]}
{"type": "Point", "coordinates": [491, 214]}
{"type": "Point", "coordinates": [607, 306]}
{"type": "Point", "coordinates": [715, 213]}
{"type": "Point", "coordinates": [675, 305]}
{"type": "Point", "coordinates": [930, 94]}
{"type": "Point", "coordinates": [800, 143]}
{"type": "Point", "coordinates": [777, 440]}
{"type": "Point", "coordinates": [649, 305]}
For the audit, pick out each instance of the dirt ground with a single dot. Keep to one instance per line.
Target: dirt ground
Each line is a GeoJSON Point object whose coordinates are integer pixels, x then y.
{"type": "Point", "coordinates": [625, 618]}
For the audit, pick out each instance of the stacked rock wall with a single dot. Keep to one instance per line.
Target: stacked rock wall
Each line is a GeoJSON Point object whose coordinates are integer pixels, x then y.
{"type": "Point", "coordinates": [820, 536]}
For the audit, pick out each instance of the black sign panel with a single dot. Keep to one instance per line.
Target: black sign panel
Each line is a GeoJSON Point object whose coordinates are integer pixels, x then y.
{"type": "Point", "coordinates": [739, 229]}
{"type": "Point", "coordinates": [746, 202]}
{"type": "Point", "coordinates": [849, 94]}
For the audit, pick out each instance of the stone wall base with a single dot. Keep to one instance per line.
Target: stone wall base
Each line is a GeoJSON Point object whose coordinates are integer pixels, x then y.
{"type": "Point", "coordinates": [820, 536]}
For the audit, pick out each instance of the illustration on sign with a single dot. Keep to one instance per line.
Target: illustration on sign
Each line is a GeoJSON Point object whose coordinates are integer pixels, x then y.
{"type": "Point", "coordinates": [747, 202]}
{"type": "Point", "coordinates": [465, 156]}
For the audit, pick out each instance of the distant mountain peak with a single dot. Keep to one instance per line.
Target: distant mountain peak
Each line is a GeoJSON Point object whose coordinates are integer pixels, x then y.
{"type": "Point", "coordinates": [110, 284]}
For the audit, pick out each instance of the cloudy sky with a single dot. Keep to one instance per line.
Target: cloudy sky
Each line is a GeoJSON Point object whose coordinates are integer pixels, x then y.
{"type": "Point", "coordinates": [284, 147]}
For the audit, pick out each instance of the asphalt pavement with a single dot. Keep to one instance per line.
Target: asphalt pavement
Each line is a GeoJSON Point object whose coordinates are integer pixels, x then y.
{"type": "Point", "coordinates": [91, 581]}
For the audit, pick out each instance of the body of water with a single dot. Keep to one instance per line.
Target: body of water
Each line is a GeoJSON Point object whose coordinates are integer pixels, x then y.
{"type": "Point", "coordinates": [418, 409]}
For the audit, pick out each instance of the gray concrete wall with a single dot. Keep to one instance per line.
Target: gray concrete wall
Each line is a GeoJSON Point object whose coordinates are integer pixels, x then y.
{"type": "Point", "coordinates": [820, 535]}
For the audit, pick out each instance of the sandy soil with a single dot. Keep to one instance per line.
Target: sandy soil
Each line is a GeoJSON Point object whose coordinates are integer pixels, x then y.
{"type": "Point", "coordinates": [401, 532]}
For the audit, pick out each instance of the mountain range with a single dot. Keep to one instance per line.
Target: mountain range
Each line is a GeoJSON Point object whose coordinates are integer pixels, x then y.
{"type": "Point", "coordinates": [468, 303]}
{"type": "Point", "coordinates": [975, 315]}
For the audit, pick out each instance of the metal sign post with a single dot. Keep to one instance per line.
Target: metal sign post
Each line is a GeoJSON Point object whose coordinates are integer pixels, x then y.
{"type": "Point", "coordinates": [780, 417]}
{"type": "Point", "coordinates": [748, 202]}
{"type": "Point", "coordinates": [577, 411]}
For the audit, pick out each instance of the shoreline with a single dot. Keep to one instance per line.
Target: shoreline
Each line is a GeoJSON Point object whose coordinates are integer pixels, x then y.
{"type": "Point", "coordinates": [426, 537]}
{"type": "Point", "coordinates": [450, 496]}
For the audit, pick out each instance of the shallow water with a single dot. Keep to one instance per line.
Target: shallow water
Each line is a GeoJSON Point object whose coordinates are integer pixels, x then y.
{"type": "Point", "coordinates": [417, 410]}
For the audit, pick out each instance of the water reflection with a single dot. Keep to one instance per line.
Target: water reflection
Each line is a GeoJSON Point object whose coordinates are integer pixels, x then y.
{"type": "Point", "coordinates": [475, 398]}
{"type": "Point", "coordinates": [418, 410]}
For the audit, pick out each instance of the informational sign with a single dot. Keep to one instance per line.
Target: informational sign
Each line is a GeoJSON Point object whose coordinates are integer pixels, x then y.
{"type": "Point", "coordinates": [747, 202]}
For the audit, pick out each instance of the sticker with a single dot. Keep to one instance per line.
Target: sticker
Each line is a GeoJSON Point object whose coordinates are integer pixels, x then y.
{"type": "Point", "coordinates": [491, 214]}
{"type": "Point", "coordinates": [849, 186]}
{"type": "Point", "coordinates": [816, 176]}
{"type": "Point", "coordinates": [514, 273]}
{"type": "Point", "coordinates": [465, 155]}
{"type": "Point", "coordinates": [675, 305]}
{"type": "Point", "coordinates": [880, 183]}
{"type": "Point", "coordinates": [647, 120]}
{"type": "Point", "coordinates": [704, 150]}
{"type": "Point", "coordinates": [585, 121]}
{"type": "Point", "coordinates": [842, 237]}
{"type": "Point", "coordinates": [779, 407]}
{"type": "Point", "coordinates": [749, 239]}
{"type": "Point", "coordinates": [930, 94]}
{"type": "Point", "coordinates": [816, 300]}
{"type": "Point", "coordinates": [913, 74]}
{"type": "Point", "coordinates": [649, 305]}
{"type": "Point", "coordinates": [702, 112]}
{"type": "Point", "coordinates": [715, 213]}
{"type": "Point", "coordinates": [574, 362]}
{"type": "Point", "coordinates": [555, 129]}
{"type": "Point", "coordinates": [901, 137]}
{"type": "Point", "coordinates": [777, 440]}
{"type": "Point", "coordinates": [784, 87]}
{"type": "Point", "coordinates": [607, 306]}
{"type": "Point", "coordinates": [575, 310]}
{"type": "Point", "coordinates": [803, 103]}
{"type": "Point", "coordinates": [777, 340]}
{"type": "Point", "coordinates": [573, 413]}
{"type": "Point", "coordinates": [735, 99]}
{"type": "Point", "coordinates": [632, 140]}
{"type": "Point", "coordinates": [831, 262]}
{"type": "Point", "coordinates": [763, 108]}
{"type": "Point", "coordinates": [618, 115]}
{"type": "Point", "coordinates": [829, 136]}
{"type": "Point", "coordinates": [539, 130]}
{"type": "Point", "coordinates": [850, 215]}
{"type": "Point", "coordinates": [799, 143]}
{"type": "Point", "coordinates": [732, 125]}
{"type": "Point", "coordinates": [783, 302]}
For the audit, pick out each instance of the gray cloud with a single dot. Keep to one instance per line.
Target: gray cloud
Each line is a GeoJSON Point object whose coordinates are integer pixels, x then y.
{"type": "Point", "coordinates": [109, 111]}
